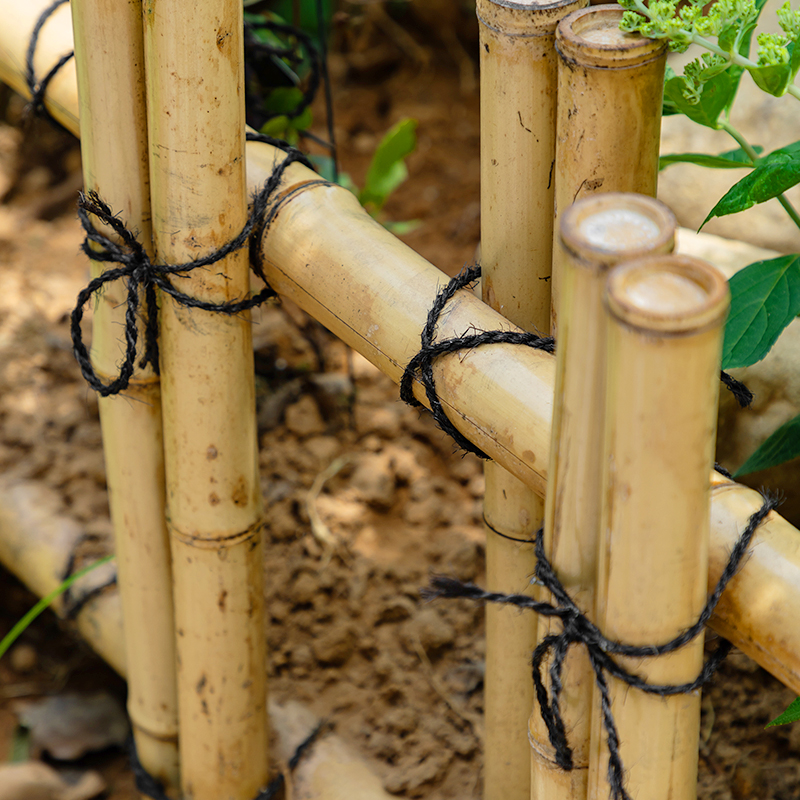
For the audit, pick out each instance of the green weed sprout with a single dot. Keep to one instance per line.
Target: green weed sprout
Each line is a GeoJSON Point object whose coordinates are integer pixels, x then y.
{"type": "Point", "coordinates": [731, 23]}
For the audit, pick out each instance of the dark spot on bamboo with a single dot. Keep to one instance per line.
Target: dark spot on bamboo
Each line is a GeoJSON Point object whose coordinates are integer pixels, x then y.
{"type": "Point", "coordinates": [486, 47]}
{"type": "Point", "coordinates": [213, 499]}
{"type": "Point", "coordinates": [201, 684]}
{"type": "Point", "coordinates": [239, 494]}
{"type": "Point", "coordinates": [221, 599]}
{"type": "Point", "coordinates": [204, 707]}
{"type": "Point", "coordinates": [211, 453]}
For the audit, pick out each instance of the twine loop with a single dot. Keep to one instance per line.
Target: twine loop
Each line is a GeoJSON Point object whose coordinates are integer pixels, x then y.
{"type": "Point", "coordinates": [143, 277]}
{"type": "Point", "coordinates": [577, 629]}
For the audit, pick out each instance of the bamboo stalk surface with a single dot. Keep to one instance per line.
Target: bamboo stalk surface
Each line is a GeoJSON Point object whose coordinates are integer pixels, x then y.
{"type": "Point", "coordinates": [114, 157]}
{"type": "Point", "coordinates": [509, 389]}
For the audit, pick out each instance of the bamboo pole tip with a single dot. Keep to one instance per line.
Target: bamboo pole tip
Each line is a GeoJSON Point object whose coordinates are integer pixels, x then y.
{"type": "Point", "coordinates": [524, 17]}
{"type": "Point", "coordinates": [668, 294]}
{"type": "Point", "coordinates": [591, 37]}
{"type": "Point", "coordinates": [607, 228]}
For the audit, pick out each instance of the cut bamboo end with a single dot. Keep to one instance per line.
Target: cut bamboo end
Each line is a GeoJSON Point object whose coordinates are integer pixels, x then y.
{"type": "Point", "coordinates": [665, 334]}
{"type": "Point", "coordinates": [591, 38]}
{"type": "Point", "coordinates": [675, 295]}
{"type": "Point", "coordinates": [610, 87]}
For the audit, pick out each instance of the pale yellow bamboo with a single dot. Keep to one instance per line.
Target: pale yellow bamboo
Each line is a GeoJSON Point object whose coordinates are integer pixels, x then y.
{"type": "Point", "coordinates": [114, 155]}
{"type": "Point", "coordinates": [195, 104]}
{"type": "Point", "coordinates": [609, 112]}
{"type": "Point", "coordinates": [518, 87]}
{"type": "Point", "coordinates": [665, 333]}
{"type": "Point", "coordinates": [501, 396]}
{"type": "Point", "coordinates": [596, 233]}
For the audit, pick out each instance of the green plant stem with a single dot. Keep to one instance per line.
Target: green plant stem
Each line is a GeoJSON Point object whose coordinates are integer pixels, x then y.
{"type": "Point", "coordinates": [748, 148]}
{"type": "Point", "coordinates": [20, 627]}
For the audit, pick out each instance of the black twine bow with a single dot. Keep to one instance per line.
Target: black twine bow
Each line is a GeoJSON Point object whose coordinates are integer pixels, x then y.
{"type": "Point", "coordinates": [577, 629]}
{"type": "Point", "coordinates": [422, 364]}
{"type": "Point", "coordinates": [143, 276]}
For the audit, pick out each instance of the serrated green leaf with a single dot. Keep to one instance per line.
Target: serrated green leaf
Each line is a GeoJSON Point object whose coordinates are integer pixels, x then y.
{"type": "Point", "coordinates": [732, 159]}
{"type": "Point", "coordinates": [792, 714]}
{"type": "Point", "coordinates": [782, 446]}
{"type": "Point", "coordinates": [387, 169]}
{"type": "Point", "coordinates": [773, 175]}
{"type": "Point", "coordinates": [765, 298]}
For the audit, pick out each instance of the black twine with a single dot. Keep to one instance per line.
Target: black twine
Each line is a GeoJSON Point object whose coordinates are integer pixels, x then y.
{"type": "Point", "coordinates": [38, 88]}
{"type": "Point", "coordinates": [72, 606]}
{"type": "Point", "coordinates": [577, 629]}
{"type": "Point", "coordinates": [143, 276]}
{"type": "Point", "coordinates": [422, 364]}
{"type": "Point", "coordinates": [150, 786]}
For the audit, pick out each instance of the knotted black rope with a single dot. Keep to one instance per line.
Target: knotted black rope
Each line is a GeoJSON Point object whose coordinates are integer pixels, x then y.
{"type": "Point", "coordinates": [422, 364]}
{"type": "Point", "coordinates": [151, 787]}
{"type": "Point", "coordinates": [38, 88]}
{"type": "Point", "coordinates": [143, 276]}
{"type": "Point", "coordinates": [72, 606]}
{"type": "Point", "coordinates": [577, 629]}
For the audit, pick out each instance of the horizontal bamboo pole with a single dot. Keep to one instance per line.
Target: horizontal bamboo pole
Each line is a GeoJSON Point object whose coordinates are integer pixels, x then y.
{"type": "Point", "coordinates": [35, 544]}
{"type": "Point", "coordinates": [500, 396]}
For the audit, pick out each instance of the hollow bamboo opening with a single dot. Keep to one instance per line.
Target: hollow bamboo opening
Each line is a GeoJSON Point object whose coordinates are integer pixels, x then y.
{"type": "Point", "coordinates": [195, 104]}
{"type": "Point", "coordinates": [114, 155]}
{"type": "Point", "coordinates": [609, 113]}
{"type": "Point", "coordinates": [596, 233]}
{"type": "Point", "coordinates": [665, 318]}
{"type": "Point", "coordinates": [518, 86]}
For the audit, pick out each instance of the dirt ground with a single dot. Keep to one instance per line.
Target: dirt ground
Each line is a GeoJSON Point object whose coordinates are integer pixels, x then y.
{"type": "Point", "coordinates": [349, 636]}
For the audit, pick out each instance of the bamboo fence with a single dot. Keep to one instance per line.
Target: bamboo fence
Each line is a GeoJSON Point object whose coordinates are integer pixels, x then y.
{"type": "Point", "coordinates": [665, 324]}
{"type": "Point", "coordinates": [500, 397]}
{"type": "Point", "coordinates": [518, 105]}
{"type": "Point", "coordinates": [115, 164]}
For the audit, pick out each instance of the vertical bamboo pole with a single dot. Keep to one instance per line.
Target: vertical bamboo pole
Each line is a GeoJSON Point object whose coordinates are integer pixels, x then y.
{"type": "Point", "coordinates": [610, 85]}
{"type": "Point", "coordinates": [596, 233]}
{"type": "Point", "coordinates": [114, 151]}
{"type": "Point", "coordinates": [195, 100]}
{"type": "Point", "coordinates": [518, 103]}
{"type": "Point", "coordinates": [665, 335]}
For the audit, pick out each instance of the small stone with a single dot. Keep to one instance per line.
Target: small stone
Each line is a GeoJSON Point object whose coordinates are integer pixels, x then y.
{"type": "Point", "coordinates": [395, 609]}
{"type": "Point", "coordinates": [303, 417]}
{"type": "Point", "coordinates": [23, 658]}
{"type": "Point", "coordinates": [374, 479]}
{"type": "Point", "coordinates": [305, 589]}
{"type": "Point", "coordinates": [335, 646]}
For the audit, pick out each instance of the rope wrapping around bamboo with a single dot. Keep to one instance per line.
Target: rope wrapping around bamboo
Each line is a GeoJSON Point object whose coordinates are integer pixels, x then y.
{"type": "Point", "coordinates": [577, 629]}
{"type": "Point", "coordinates": [74, 605]}
{"type": "Point", "coordinates": [421, 365]}
{"type": "Point", "coordinates": [144, 276]}
{"type": "Point", "coordinates": [150, 787]}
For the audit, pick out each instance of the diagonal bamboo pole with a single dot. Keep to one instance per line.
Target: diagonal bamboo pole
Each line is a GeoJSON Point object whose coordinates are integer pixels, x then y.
{"type": "Point", "coordinates": [114, 151]}
{"type": "Point", "coordinates": [501, 397]}
{"type": "Point", "coordinates": [665, 319]}
{"type": "Point", "coordinates": [596, 233]}
{"type": "Point", "coordinates": [195, 103]}
{"type": "Point", "coordinates": [609, 113]}
{"type": "Point", "coordinates": [518, 104]}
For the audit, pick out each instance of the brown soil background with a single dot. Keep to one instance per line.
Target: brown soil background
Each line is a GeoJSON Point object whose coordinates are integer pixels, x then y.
{"type": "Point", "coordinates": [348, 634]}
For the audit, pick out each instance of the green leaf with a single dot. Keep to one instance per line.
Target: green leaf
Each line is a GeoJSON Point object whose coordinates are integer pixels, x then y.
{"type": "Point", "coordinates": [402, 227]}
{"type": "Point", "coordinates": [387, 169]}
{"type": "Point", "coordinates": [773, 175]}
{"type": "Point", "coordinates": [782, 446]}
{"type": "Point", "coordinates": [732, 159]}
{"type": "Point", "coordinates": [792, 714]}
{"type": "Point", "coordinates": [773, 79]}
{"type": "Point", "coordinates": [716, 96]}
{"type": "Point", "coordinates": [765, 298]}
